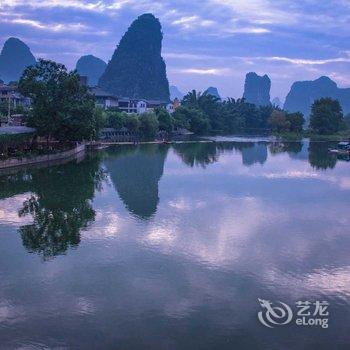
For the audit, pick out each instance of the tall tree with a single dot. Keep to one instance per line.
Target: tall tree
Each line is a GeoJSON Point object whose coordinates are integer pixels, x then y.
{"type": "Point", "coordinates": [326, 116]}
{"type": "Point", "coordinates": [61, 107]}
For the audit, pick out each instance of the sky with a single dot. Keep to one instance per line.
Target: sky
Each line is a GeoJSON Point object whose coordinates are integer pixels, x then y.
{"type": "Point", "coordinates": [206, 43]}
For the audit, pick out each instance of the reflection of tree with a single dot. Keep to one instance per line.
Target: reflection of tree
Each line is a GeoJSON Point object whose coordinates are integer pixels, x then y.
{"type": "Point", "coordinates": [199, 153]}
{"type": "Point", "coordinates": [293, 147]}
{"type": "Point", "coordinates": [255, 154]}
{"type": "Point", "coordinates": [135, 173]}
{"type": "Point", "coordinates": [319, 155]}
{"type": "Point", "coordinates": [15, 183]}
{"type": "Point", "coordinates": [54, 230]}
{"type": "Point", "coordinates": [60, 207]}
{"type": "Point", "coordinates": [207, 153]}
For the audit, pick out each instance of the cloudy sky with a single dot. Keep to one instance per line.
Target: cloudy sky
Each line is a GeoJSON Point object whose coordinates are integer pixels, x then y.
{"type": "Point", "coordinates": [208, 42]}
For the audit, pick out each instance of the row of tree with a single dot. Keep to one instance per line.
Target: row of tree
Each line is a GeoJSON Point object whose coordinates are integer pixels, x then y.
{"type": "Point", "coordinates": [205, 113]}
{"type": "Point", "coordinates": [63, 109]}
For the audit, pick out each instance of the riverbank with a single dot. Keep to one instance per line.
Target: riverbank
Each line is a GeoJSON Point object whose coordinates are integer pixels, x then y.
{"type": "Point", "coordinates": [48, 158]}
{"type": "Point", "coordinates": [341, 136]}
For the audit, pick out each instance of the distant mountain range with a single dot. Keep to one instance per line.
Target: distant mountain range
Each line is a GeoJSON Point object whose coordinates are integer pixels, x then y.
{"type": "Point", "coordinates": [137, 70]}
{"type": "Point", "coordinates": [304, 93]}
{"type": "Point", "coordinates": [92, 67]}
{"type": "Point", "coordinates": [14, 58]}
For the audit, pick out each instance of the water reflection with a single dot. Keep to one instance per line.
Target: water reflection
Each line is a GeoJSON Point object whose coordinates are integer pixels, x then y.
{"type": "Point", "coordinates": [59, 198]}
{"type": "Point", "coordinates": [257, 153]}
{"type": "Point", "coordinates": [320, 157]}
{"type": "Point", "coordinates": [292, 148]}
{"type": "Point", "coordinates": [200, 154]}
{"type": "Point", "coordinates": [135, 173]}
{"type": "Point", "coordinates": [185, 272]}
{"type": "Point", "coordinates": [203, 154]}
{"type": "Point", "coordinates": [59, 204]}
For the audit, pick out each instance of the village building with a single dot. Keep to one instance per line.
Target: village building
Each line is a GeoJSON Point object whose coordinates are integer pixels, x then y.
{"type": "Point", "coordinates": [9, 94]}
{"type": "Point", "coordinates": [107, 100]}
{"type": "Point", "coordinates": [11, 98]}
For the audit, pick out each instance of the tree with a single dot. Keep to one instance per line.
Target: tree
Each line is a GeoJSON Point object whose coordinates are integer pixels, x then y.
{"type": "Point", "coordinates": [192, 119]}
{"type": "Point", "coordinates": [116, 119]}
{"type": "Point", "coordinates": [296, 121]}
{"type": "Point", "coordinates": [61, 107]}
{"type": "Point", "coordinates": [166, 122]}
{"type": "Point", "coordinates": [207, 103]}
{"type": "Point", "coordinates": [149, 125]}
{"type": "Point", "coordinates": [326, 116]}
{"type": "Point", "coordinates": [132, 122]}
{"type": "Point", "coordinates": [278, 121]}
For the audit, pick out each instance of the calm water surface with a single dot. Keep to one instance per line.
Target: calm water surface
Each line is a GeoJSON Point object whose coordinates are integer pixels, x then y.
{"type": "Point", "coordinates": [170, 247]}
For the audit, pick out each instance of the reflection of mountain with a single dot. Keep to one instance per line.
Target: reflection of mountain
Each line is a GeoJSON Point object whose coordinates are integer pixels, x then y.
{"type": "Point", "coordinates": [135, 173]}
{"type": "Point", "coordinates": [59, 203]}
{"type": "Point", "coordinates": [255, 154]}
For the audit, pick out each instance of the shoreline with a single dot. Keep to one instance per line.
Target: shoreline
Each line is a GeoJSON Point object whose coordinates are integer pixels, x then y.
{"type": "Point", "coordinates": [14, 163]}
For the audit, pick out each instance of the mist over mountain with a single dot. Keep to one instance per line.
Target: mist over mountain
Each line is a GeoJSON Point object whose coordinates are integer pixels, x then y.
{"type": "Point", "coordinates": [14, 58]}
{"type": "Point", "coordinates": [137, 69]}
{"type": "Point", "coordinates": [257, 89]}
{"type": "Point", "coordinates": [303, 93]}
{"type": "Point", "coordinates": [175, 93]}
{"type": "Point", "coordinates": [92, 67]}
{"type": "Point", "coordinates": [212, 91]}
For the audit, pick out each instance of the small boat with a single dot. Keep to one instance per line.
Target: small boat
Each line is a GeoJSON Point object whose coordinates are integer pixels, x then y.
{"type": "Point", "coordinates": [342, 148]}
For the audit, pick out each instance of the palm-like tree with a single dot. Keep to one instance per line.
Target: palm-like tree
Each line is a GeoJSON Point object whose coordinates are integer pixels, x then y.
{"type": "Point", "coordinates": [203, 101]}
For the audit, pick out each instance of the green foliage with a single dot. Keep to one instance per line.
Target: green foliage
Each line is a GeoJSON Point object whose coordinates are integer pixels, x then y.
{"type": "Point", "coordinates": [193, 119]}
{"type": "Point", "coordinates": [148, 125]}
{"type": "Point", "coordinates": [278, 121]}
{"type": "Point", "coordinates": [166, 122]}
{"type": "Point", "coordinates": [296, 121]}
{"type": "Point", "coordinates": [14, 141]}
{"type": "Point", "coordinates": [61, 107]}
{"type": "Point", "coordinates": [227, 116]}
{"type": "Point", "coordinates": [208, 105]}
{"type": "Point", "coordinates": [326, 116]}
{"type": "Point", "coordinates": [132, 122]}
{"type": "Point", "coordinates": [116, 119]}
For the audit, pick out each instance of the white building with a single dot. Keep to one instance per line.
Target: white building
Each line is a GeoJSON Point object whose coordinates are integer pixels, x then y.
{"type": "Point", "coordinates": [128, 105]}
